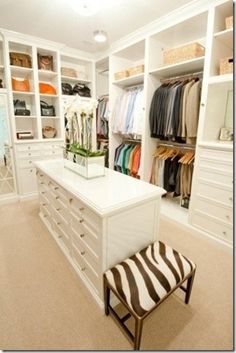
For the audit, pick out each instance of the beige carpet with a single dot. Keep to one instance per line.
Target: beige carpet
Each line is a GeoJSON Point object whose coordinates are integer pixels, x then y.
{"type": "Point", "coordinates": [44, 306]}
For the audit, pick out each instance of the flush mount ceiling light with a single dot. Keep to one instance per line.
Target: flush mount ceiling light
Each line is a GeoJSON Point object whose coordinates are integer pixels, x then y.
{"type": "Point", "coordinates": [100, 36]}
{"type": "Point", "coordinates": [85, 7]}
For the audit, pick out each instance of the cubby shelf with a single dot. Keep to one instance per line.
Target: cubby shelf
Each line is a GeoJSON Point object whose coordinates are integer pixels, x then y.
{"type": "Point", "coordinates": [23, 93]}
{"type": "Point", "coordinates": [226, 37]}
{"type": "Point", "coordinates": [3, 90]}
{"type": "Point", "coordinates": [75, 79]}
{"type": "Point", "coordinates": [221, 79]}
{"type": "Point", "coordinates": [48, 95]}
{"type": "Point", "coordinates": [46, 74]}
{"type": "Point", "coordinates": [18, 70]}
{"type": "Point", "coordinates": [184, 67]}
{"type": "Point", "coordinates": [25, 116]}
{"type": "Point", "coordinates": [50, 117]}
{"type": "Point", "coordinates": [129, 81]}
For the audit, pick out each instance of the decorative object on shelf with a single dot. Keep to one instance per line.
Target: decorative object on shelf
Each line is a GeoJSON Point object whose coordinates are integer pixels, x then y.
{"type": "Point", "coordinates": [45, 62]}
{"type": "Point", "coordinates": [20, 108]}
{"type": "Point", "coordinates": [20, 85]}
{"type": "Point", "coordinates": [66, 89]}
{"type": "Point", "coordinates": [139, 69]}
{"type": "Point", "coordinates": [1, 84]}
{"type": "Point", "coordinates": [67, 71]}
{"type": "Point", "coordinates": [79, 116]}
{"type": "Point", "coordinates": [24, 135]}
{"type": "Point", "coordinates": [46, 109]}
{"type": "Point", "coordinates": [226, 134]}
{"type": "Point", "coordinates": [82, 90]}
{"type": "Point", "coordinates": [46, 88]}
{"type": "Point", "coordinates": [87, 163]}
{"type": "Point", "coordinates": [226, 66]}
{"type": "Point", "coordinates": [183, 53]}
{"type": "Point", "coordinates": [49, 132]}
{"type": "Point", "coordinates": [229, 22]}
{"type": "Point", "coordinates": [20, 59]}
{"type": "Point", "coordinates": [121, 74]}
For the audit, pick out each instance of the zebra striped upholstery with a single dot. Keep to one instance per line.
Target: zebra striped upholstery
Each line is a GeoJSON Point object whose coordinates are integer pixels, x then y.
{"type": "Point", "coordinates": [148, 276]}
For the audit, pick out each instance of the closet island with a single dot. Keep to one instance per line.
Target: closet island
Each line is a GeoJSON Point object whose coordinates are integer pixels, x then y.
{"type": "Point", "coordinates": [97, 222]}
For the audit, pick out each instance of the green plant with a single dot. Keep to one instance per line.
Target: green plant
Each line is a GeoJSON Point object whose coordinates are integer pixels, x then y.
{"type": "Point", "coordinates": [78, 149]}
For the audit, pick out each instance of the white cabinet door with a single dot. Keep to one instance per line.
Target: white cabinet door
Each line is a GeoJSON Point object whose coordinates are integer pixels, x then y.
{"type": "Point", "coordinates": [28, 180]}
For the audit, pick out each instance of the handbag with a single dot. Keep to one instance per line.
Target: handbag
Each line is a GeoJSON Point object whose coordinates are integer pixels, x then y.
{"type": "Point", "coordinates": [45, 62]}
{"type": "Point", "coordinates": [1, 84]}
{"type": "Point", "coordinates": [67, 71]}
{"type": "Point", "coordinates": [49, 131]}
{"type": "Point", "coordinates": [47, 110]}
{"type": "Point", "coordinates": [20, 59]}
{"type": "Point", "coordinates": [46, 88]}
{"type": "Point", "coordinates": [20, 85]}
{"type": "Point", "coordinates": [20, 108]}
{"type": "Point", "coordinates": [82, 90]}
{"type": "Point", "coordinates": [66, 89]}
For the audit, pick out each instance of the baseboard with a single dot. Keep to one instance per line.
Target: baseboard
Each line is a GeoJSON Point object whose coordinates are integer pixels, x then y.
{"type": "Point", "coordinates": [8, 199]}
{"type": "Point", "coordinates": [28, 197]}
{"type": "Point", "coordinates": [196, 231]}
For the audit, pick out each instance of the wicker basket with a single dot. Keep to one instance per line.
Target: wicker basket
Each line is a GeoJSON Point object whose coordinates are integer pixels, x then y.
{"type": "Point", "coordinates": [186, 52]}
{"type": "Point", "coordinates": [67, 71]}
{"type": "Point", "coordinates": [49, 132]}
{"type": "Point", "coordinates": [136, 70]}
{"type": "Point", "coordinates": [226, 66]}
{"type": "Point", "coordinates": [229, 22]}
{"type": "Point", "coordinates": [121, 74]}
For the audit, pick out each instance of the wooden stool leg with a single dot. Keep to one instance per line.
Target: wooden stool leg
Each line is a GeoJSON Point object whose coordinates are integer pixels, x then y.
{"type": "Point", "coordinates": [189, 288]}
{"type": "Point", "coordinates": [138, 333]}
{"type": "Point", "coordinates": [106, 297]}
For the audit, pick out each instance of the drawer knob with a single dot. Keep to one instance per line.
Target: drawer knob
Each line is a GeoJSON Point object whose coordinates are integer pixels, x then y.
{"type": "Point", "coordinates": [49, 183]}
{"type": "Point", "coordinates": [56, 188]}
{"type": "Point", "coordinates": [81, 221]}
{"type": "Point", "coordinates": [82, 253]}
{"type": "Point", "coordinates": [57, 197]}
{"type": "Point", "coordinates": [227, 216]}
{"type": "Point", "coordinates": [58, 209]}
{"type": "Point", "coordinates": [42, 183]}
{"type": "Point", "coordinates": [37, 172]}
{"type": "Point", "coordinates": [224, 232]}
{"type": "Point", "coordinates": [43, 192]}
{"type": "Point", "coordinates": [82, 235]}
{"type": "Point", "coordinates": [44, 215]}
{"type": "Point", "coordinates": [230, 199]}
{"type": "Point", "coordinates": [30, 162]}
{"type": "Point", "coordinates": [59, 236]}
{"type": "Point", "coordinates": [83, 269]}
{"type": "Point", "coordinates": [58, 223]}
{"type": "Point", "coordinates": [44, 204]}
{"type": "Point", "coordinates": [81, 208]}
{"type": "Point", "coordinates": [41, 175]}
{"type": "Point", "coordinates": [29, 154]}
{"type": "Point", "coordinates": [28, 147]}
{"type": "Point", "coordinates": [31, 170]}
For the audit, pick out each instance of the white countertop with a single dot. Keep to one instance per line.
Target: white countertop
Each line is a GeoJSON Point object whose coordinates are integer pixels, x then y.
{"type": "Point", "coordinates": [103, 194]}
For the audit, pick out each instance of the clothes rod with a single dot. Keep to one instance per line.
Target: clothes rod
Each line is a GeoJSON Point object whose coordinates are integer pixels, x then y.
{"type": "Point", "coordinates": [185, 146]}
{"type": "Point", "coordinates": [134, 86]}
{"type": "Point", "coordinates": [183, 77]}
{"type": "Point", "coordinates": [132, 141]}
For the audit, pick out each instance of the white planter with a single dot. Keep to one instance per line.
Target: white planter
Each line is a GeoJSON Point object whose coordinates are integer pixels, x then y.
{"type": "Point", "coordinates": [87, 167]}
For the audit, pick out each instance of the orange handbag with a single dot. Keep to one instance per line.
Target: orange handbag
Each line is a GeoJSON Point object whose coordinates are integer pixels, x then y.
{"type": "Point", "coordinates": [46, 88]}
{"type": "Point", "coordinates": [20, 85]}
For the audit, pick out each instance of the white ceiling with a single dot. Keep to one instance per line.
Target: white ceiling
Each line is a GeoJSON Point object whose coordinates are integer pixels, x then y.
{"type": "Point", "coordinates": [56, 20]}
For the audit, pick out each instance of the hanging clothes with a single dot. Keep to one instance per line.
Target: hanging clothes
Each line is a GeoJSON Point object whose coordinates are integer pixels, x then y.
{"type": "Point", "coordinates": [128, 114]}
{"type": "Point", "coordinates": [127, 159]}
{"type": "Point", "coordinates": [174, 111]}
{"type": "Point", "coordinates": [103, 117]}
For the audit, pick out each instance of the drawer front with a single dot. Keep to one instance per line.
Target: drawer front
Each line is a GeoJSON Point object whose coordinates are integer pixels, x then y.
{"type": "Point", "coordinates": [86, 252]}
{"type": "Point", "coordinates": [28, 180]}
{"type": "Point", "coordinates": [214, 192]}
{"type": "Point", "coordinates": [217, 155]}
{"type": "Point", "coordinates": [222, 177]}
{"type": "Point", "coordinates": [29, 147]}
{"type": "Point", "coordinates": [62, 235]}
{"type": "Point", "coordinates": [224, 214]}
{"type": "Point", "coordinates": [220, 165]}
{"type": "Point", "coordinates": [26, 163]}
{"type": "Point", "coordinates": [80, 232]}
{"type": "Point", "coordinates": [54, 146]}
{"type": "Point", "coordinates": [29, 154]}
{"type": "Point", "coordinates": [90, 275]}
{"type": "Point", "coordinates": [58, 191]}
{"type": "Point", "coordinates": [212, 227]}
{"type": "Point", "coordinates": [62, 214]}
{"type": "Point", "coordinates": [52, 153]}
{"type": "Point", "coordinates": [82, 213]}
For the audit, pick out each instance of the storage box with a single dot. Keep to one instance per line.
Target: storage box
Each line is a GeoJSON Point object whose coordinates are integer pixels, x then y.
{"type": "Point", "coordinates": [139, 69]}
{"type": "Point", "coordinates": [229, 22]}
{"type": "Point", "coordinates": [183, 53]}
{"type": "Point", "coordinates": [68, 71]}
{"type": "Point", "coordinates": [121, 74]}
{"type": "Point", "coordinates": [226, 65]}
{"type": "Point", "coordinates": [87, 167]}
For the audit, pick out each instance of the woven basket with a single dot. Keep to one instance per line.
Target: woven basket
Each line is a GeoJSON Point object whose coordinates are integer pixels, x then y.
{"type": "Point", "coordinates": [121, 74]}
{"type": "Point", "coordinates": [67, 71]}
{"type": "Point", "coordinates": [184, 53]}
{"type": "Point", "coordinates": [49, 132]}
{"type": "Point", "coordinates": [139, 69]}
{"type": "Point", "coordinates": [229, 22]}
{"type": "Point", "coordinates": [226, 66]}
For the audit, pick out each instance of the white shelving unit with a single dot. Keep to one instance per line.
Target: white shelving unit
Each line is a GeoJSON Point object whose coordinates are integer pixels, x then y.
{"type": "Point", "coordinates": [130, 81]}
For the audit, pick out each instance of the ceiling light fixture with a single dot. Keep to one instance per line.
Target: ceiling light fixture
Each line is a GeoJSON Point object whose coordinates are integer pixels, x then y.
{"type": "Point", "coordinates": [100, 36]}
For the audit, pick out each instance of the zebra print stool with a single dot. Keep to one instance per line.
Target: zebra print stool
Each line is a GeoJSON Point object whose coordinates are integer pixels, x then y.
{"type": "Point", "coordinates": [144, 281]}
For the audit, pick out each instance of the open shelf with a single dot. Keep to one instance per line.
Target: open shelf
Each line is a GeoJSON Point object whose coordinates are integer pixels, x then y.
{"type": "Point", "coordinates": [25, 116]}
{"type": "Point", "coordinates": [48, 95]}
{"type": "Point", "coordinates": [129, 81]}
{"type": "Point", "coordinates": [46, 74]}
{"type": "Point", "coordinates": [184, 67]}
{"type": "Point", "coordinates": [18, 70]}
{"type": "Point", "coordinates": [23, 93]}
{"type": "Point", "coordinates": [50, 117]}
{"type": "Point", "coordinates": [221, 79]}
{"type": "Point", "coordinates": [226, 37]}
{"type": "Point", "coordinates": [74, 79]}
{"type": "Point", "coordinates": [3, 90]}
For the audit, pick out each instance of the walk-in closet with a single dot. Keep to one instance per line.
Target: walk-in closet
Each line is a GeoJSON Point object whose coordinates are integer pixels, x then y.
{"type": "Point", "coordinates": [116, 175]}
